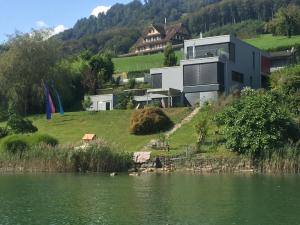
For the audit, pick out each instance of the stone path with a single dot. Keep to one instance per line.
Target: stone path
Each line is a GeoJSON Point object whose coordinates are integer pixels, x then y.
{"type": "Point", "coordinates": [174, 129]}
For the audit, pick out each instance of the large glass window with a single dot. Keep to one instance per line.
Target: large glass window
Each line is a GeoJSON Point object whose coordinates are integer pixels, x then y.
{"type": "Point", "coordinates": [156, 80]}
{"type": "Point", "coordinates": [203, 51]}
{"type": "Point", "coordinates": [201, 74]}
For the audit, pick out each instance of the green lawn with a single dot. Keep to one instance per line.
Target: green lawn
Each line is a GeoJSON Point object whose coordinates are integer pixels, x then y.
{"type": "Point", "coordinates": [268, 42]}
{"type": "Point", "coordinates": [113, 126]}
{"type": "Point", "coordinates": [146, 62]}
{"type": "Point", "coordinates": [143, 62]}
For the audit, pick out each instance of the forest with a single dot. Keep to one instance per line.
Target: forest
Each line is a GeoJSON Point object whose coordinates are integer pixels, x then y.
{"type": "Point", "coordinates": [106, 32]}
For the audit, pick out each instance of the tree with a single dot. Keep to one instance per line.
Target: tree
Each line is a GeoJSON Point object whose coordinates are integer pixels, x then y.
{"type": "Point", "coordinates": [28, 60]}
{"type": "Point", "coordinates": [257, 123]}
{"type": "Point", "coordinates": [87, 103]}
{"type": "Point", "coordinates": [170, 57]}
{"type": "Point", "coordinates": [286, 21]}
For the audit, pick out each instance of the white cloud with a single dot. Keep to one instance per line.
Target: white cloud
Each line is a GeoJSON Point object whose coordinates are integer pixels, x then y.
{"type": "Point", "coordinates": [100, 9]}
{"type": "Point", "coordinates": [58, 29]}
{"type": "Point", "coordinates": [41, 24]}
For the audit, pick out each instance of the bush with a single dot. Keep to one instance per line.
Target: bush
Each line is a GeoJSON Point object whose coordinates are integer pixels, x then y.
{"type": "Point", "coordinates": [287, 82]}
{"type": "Point", "coordinates": [15, 144]}
{"type": "Point", "coordinates": [131, 83]}
{"type": "Point", "coordinates": [148, 121]}
{"type": "Point", "coordinates": [257, 123]}
{"type": "Point", "coordinates": [18, 125]}
{"type": "Point", "coordinates": [43, 139]}
{"type": "Point", "coordinates": [122, 100]}
{"type": "Point", "coordinates": [87, 103]}
{"type": "Point", "coordinates": [20, 143]}
{"type": "Point", "coordinates": [3, 132]}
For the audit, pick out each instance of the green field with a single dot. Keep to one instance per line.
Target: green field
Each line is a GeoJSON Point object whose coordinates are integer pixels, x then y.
{"type": "Point", "coordinates": [269, 42]}
{"type": "Point", "coordinates": [143, 62]}
{"type": "Point", "coordinates": [113, 126]}
{"type": "Point", "coordinates": [146, 62]}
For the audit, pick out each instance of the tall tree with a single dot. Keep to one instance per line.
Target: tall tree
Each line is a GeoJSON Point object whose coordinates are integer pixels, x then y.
{"type": "Point", "coordinates": [27, 61]}
{"type": "Point", "coordinates": [170, 57]}
{"type": "Point", "coordinates": [286, 21]}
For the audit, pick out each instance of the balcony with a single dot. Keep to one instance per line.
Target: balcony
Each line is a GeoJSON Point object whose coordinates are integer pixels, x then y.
{"type": "Point", "coordinates": [207, 53]}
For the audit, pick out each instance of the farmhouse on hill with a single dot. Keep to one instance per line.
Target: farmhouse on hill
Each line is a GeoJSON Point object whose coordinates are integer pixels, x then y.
{"type": "Point", "coordinates": [156, 37]}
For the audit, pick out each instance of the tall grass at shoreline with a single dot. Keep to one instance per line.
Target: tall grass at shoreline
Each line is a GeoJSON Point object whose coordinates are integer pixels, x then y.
{"type": "Point", "coordinates": [97, 157]}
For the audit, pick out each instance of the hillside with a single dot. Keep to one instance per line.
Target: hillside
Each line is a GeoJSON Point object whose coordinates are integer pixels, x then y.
{"type": "Point", "coordinates": [113, 126]}
{"type": "Point", "coordinates": [143, 62]}
{"type": "Point", "coordinates": [120, 27]}
{"type": "Point", "coordinates": [146, 62]}
{"type": "Point", "coordinates": [269, 42]}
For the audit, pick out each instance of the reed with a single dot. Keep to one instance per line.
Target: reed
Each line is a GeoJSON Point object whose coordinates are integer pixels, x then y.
{"type": "Point", "coordinates": [100, 156]}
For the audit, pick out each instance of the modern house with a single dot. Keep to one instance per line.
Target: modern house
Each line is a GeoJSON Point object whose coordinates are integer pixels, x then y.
{"type": "Point", "coordinates": [156, 37]}
{"type": "Point", "coordinates": [211, 67]}
{"type": "Point", "coordinates": [281, 59]}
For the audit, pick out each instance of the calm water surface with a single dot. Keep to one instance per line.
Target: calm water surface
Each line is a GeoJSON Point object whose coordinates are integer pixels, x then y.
{"type": "Point", "coordinates": [150, 199]}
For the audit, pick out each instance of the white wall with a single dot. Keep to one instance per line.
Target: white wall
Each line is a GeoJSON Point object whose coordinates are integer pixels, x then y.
{"type": "Point", "coordinates": [99, 102]}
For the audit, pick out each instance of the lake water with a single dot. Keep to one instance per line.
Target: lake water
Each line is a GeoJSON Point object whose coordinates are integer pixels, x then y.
{"type": "Point", "coordinates": [181, 199]}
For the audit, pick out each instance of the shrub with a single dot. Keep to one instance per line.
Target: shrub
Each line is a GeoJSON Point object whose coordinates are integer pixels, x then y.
{"type": "Point", "coordinates": [257, 123]}
{"type": "Point", "coordinates": [131, 83]}
{"type": "Point", "coordinates": [3, 132]}
{"type": "Point", "coordinates": [287, 82]}
{"type": "Point", "coordinates": [149, 120]}
{"type": "Point", "coordinates": [87, 103]}
{"type": "Point", "coordinates": [19, 125]}
{"type": "Point", "coordinates": [15, 144]}
{"type": "Point", "coordinates": [42, 139]}
{"type": "Point", "coordinates": [122, 100]}
{"type": "Point", "coordinates": [201, 129]}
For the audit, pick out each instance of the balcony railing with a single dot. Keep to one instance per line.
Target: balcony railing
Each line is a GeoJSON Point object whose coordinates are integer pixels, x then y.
{"type": "Point", "coordinates": [198, 54]}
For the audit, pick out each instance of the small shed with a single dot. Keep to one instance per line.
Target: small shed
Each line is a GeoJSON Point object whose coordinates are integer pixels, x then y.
{"type": "Point", "coordinates": [89, 137]}
{"type": "Point", "coordinates": [141, 157]}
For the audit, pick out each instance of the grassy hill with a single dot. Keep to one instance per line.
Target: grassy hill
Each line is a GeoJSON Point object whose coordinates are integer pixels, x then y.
{"type": "Point", "coordinates": [269, 42]}
{"type": "Point", "coordinates": [113, 126]}
{"type": "Point", "coordinates": [146, 62]}
{"type": "Point", "coordinates": [142, 62]}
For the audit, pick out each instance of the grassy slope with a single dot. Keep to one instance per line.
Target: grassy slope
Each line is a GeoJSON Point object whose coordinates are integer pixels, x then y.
{"type": "Point", "coordinates": [265, 42]}
{"type": "Point", "coordinates": [143, 62]}
{"type": "Point", "coordinates": [112, 126]}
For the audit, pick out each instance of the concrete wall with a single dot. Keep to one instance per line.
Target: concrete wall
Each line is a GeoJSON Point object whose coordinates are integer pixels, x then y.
{"type": "Point", "coordinates": [99, 102]}
{"type": "Point", "coordinates": [171, 77]}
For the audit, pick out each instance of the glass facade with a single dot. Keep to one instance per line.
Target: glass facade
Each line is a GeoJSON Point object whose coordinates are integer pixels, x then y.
{"type": "Point", "coordinates": [213, 50]}
{"type": "Point", "coordinates": [201, 74]}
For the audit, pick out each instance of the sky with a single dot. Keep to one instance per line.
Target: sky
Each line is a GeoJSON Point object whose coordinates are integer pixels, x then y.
{"type": "Point", "coordinates": [23, 15]}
